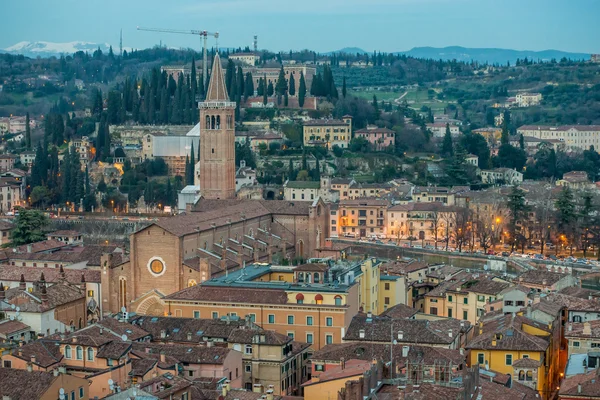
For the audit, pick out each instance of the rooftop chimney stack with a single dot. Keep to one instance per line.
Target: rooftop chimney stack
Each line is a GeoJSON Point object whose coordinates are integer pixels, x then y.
{"type": "Point", "coordinates": [22, 284]}
{"type": "Point", "coordinates": [44, 297]}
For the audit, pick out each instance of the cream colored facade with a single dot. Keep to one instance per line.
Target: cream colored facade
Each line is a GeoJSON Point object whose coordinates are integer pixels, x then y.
{"type": "Point", "coordinates": [246, 58]}
{"type": "Point", "coordinates": [574, 136]}
{"type": "Point", "coordinates": [528, 99]}
{"type": "Point", "coordinates": [360, 218]}
{"type": "Point", "coordinates": [328, 132]}
{"type": "Point", "coordinates": [505, 175]}
{"type": "Point", "coordinates": [412, 220]}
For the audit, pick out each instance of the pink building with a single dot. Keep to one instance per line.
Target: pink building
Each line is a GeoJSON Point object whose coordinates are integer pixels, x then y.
{"type": "Point", "coordinates": [380, 138]}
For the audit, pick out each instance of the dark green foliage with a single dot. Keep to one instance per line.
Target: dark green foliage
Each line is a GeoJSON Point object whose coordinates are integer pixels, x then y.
{"type": "Point", "coordinates": [517, 209]}
{"type": "Point", "coordinates": [29, 227]}
{"type": "Point", "coordinates": [281, 86]}
{"type": "Point", "coordinates": [27, 132]}
{"type": "Point", "coordinates": [301, 90]}
{"type": "Point", "coordinates": [292, 85]}
{"type": "Point", "coordinates": [510, 157]}
{"type": "Point", "coordinates": [477, 145]}
{"type": "Point", "coordinates": [447, 146]}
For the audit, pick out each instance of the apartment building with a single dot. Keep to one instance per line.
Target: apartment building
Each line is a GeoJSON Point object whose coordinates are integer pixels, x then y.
{"type": "Point", "coordinates": [574, 136]}
{"type": "Point", "coordinates": [379, 138]}
{"type": "Point", "coordinates": [361, 218]}
{"type": "Point", "coordinates": [420, 221]}
{"type": "Point", "coordinates": [438, 129]}
{"type": "Point", "coordinates": [328, 132]}
{"type": "Point", "coordinates": [528, 99]}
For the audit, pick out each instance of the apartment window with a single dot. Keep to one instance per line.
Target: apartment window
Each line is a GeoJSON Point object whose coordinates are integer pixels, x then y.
{"type": "Point", "coordinates": [197, 314]}
{"type": "Point", "coordinates": [290, 334]}
{"type": "Point", "coordinates": [252, 317]}
{"type": "Point", "coordinates": [508, 302]}
{"type": "Point", "coordinates": [79, 353]}
{"type": "Point", "coordinates": [449, 313]}
{"type": "Point", "coordinates": [575, 344]}
{"type": "Point", "coordinates": [481, 358]}
{"type": "Point", "coordinates": [480, 298]}
{"type": "Point", "coordinates": [387, 286]}
{"type": "Point", "coordinates": [290, 320]}
{"type": "Point", "coordinates": [450, 298]}
{"type": "Point", "coordinates": [465, 315]}
{"type": "Point", "coordinates": [68, 352]}
{"type": "Point", "coordinates": [190, 373]}
{"type": "Point", "coordinates": [248, 349]}
{"type": "Point", "coordinates": [271, 318]}
{"type": "Point", "coordinates": [525, 356]}
{"type": "Point", "coordinates": [509, 359]}
{"type": "Point", "coordinates": [386, 300]}
{"type": "Point", "coordinates": [72, 395]}
{"type": "Point", "coordinates": [329, 321]}
{"type": "Point", "coordinates": [215, 315]}
{"type": "Point", "coordinates": [90, 354]}
{"type": "Point", "coordinates": [433, 310]}
{"type": "Point", "coordinates": [328, 339]}
{"type": "Point", "coordinates": [309, 338]}
{"type": "Point", "coordinates": [309, 321]}
{"type": "Point", "coordinates": [7, 364]}
{"type": "Point", "coordinates": [466, 300]}
{"type": "Point", "coordinates": [90, 293]}
{"type": "Point", "coordinates": [81, 393]}
{"type": "Point", "coordinates": [248, 368]}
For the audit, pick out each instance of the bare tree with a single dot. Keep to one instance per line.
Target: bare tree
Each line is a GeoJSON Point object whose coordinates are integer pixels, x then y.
{"type": "Point", "coordinates": [462, 227]}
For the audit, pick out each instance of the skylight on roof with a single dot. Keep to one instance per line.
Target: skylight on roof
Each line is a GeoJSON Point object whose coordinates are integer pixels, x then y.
{"type": "Point", "coordinates": [154, 319]}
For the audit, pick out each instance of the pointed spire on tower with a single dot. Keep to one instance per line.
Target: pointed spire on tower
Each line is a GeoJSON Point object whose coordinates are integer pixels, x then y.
{"type": "Point", "coordinates": [216, 87]}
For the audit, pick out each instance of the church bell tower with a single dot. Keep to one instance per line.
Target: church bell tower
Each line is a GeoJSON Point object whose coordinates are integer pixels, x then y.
{"type": "Point", "coordinates": [217, 138]}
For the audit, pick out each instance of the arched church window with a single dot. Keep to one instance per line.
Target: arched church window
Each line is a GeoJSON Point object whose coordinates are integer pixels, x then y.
{"type": "Point", "coordinates": [208, 122]}
{"type": "Point", "coordinates": [212, 122]}
{"type": "Point", "coordinates": [218, 122]}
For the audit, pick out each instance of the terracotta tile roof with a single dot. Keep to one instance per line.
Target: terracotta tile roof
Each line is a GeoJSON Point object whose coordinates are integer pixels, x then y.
{"type": "Point", "coordinates": [46, 352]}
{"type": "Point", "coordinates": [443, 272]}
{"type": "Point", "coordinates": [364, 203]}
{"type": "Point", "coordinates": [400, 311]}
{"type": "Point", "coordinates": [426, 391]}
{"type": "Point", "coordinates": [575, 303]}
{"type": "Point", "coordinates": [333, 353]}
{"type": "Point", "coordinates": [7, 327]}
{"type": "Point", "coordinates": [58, 294]}
{"type": "Point", "coordinates": [44, 245]}
{"type": "Point", "coordinates": [576, 330]}
{"type": "Point", "coordinates": [10, 273]}
{"type": "Point", "coordinates": [114, 350]}
{"type": "Point", "coordinates": [577, 291]}
{"type": "Point", "coordinates": [377, 329]}
{"type": "Point", "coordinates": [590, 385]}
{"type": "Point", "coordinates": [64, 233]}
{"type": "Point", "coordinates": [324, 122]}
{"type": "Point", "coordinates": [526, 363]}
{"type": "Point", "coordinates": [230, 295]}
{"type": "Point", "coordinates": [19, 384]}
{"type": "Point", "coordinates": [352, 368]}
{"type": "Point", "coordinates": [4, 225]}
{"type": "Point", "coordinates": [271, 206]}
{"type": "Point", "coordinates": [374, 130]}
{"type": "Point", "coordinates": [540, 277]}
{"type": "Point", "coordinates": [548, 307]}
{"type": "Point", "coordinates": [133, 332]}
{"type": "Point", "coordinates": [402, 267]}
{"type": "Point", "coordinates": [141, 366]}
{"type": "Point", "coordinates": [247, 336]}
{"type": "Point", "coordinates": [507, 334]}
{"type": "Point", "coordinates": [178, 329]}
{"type": "Point", "coordinates": [169, 383]}
{"type": "Point", "coordinates": [192, 354]}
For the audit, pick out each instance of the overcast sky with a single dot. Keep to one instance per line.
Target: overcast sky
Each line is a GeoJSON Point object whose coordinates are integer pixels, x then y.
{"type": "Point", "coordinates": [322, 25]}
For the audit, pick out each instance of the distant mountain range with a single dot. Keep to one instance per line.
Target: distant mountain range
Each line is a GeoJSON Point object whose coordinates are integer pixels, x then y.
{"type": "Point", "coordinates": [489, 55]}
{"type": "Point", "coordinates": [48, 49]}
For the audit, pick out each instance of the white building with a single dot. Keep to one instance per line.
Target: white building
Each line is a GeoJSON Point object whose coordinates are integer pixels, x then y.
{"type": "Point", "coordinates": [574, 136]}
{"type": "Point", "coordinates": [246, 58]}
{"type": "Point", "coordinates": [438, 129]}
{"type": "Point", "coordinates": [506, 176]}
{"type": "Point", "coordinates": [528, 99]}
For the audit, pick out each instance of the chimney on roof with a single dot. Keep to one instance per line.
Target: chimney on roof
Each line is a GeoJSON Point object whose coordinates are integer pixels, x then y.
{"type": "Point", "coordinates": [587, 328]}
{"type": "Point", "coordinates": [43, 278]}
{"type": "Point", "coordinates": [529, 311]}
{"type": "Point", "coordinates": [163, 334]}
{"type": "Point", "coordinates": [162, 356]}
{"type": "Point", "coordinates": [369, 314]}
{"type": "Point", "coordinates": [33, 358]}
{"type": "Point", "coordinates": [361, 333]}
{"type": "Point", "coordinates": [209, 343]}
{"type": "Point", "coordinates": [29, 248]}
{"type": "Point", "coordinates": [270, 394]}
{"type": "Point", "coordinates": [579, 388]}
{"type": "Point", "coordinates": [83, 282]}
{"type": "Point", "coordinates": [101, 330]}
{"type": "Point", "coordinates": [400, 335]}
{"type": "Point", "coordinates": [570, 326]}
{"type": "Point", "coordinates": [22, 284]}
{"type": "Point", "coordinates": [44, 297]}
{"type": "Point", "coordinates": [61, 273]}
{"type": "Point", "coordinates": [449, 332]}
{"type": "Point", "coordinates": [2, 294]}
{"type": "Point", "coordinates": [343, 363]}
{"type": "Point", "coordinates": [405, 350]}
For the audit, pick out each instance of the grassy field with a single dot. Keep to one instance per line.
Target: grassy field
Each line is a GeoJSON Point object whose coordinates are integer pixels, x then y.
{"type": "Point", "coordinates": [381, 94]}
{"type": "Point", "coordinates": [419, 97]}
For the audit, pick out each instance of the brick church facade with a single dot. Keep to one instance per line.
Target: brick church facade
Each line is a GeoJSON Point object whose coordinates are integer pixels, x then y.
{"type": "Point", "coordinates": [219, 233]}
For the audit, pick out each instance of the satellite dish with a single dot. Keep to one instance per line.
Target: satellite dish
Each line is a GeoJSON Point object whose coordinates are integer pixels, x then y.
{"type": "Point", "coordinates": [124, 338]}
{"type": "Point", "coordinates": [61, 397]}
{"type": "Point", "coordinates": [18, 309]}
{"type": "Point", "coordinates": [61, 391]}
{"type": "Point", "coordinates": [111, 382]}
{"type": "Point", "coordinates": [12, 317]}
{"type": "Point", "coordinates": [12, 306]}
{"type": "Point", "coordinates": [123, 309]}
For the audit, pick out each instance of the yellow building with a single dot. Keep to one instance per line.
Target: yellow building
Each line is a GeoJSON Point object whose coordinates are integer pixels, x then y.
{"type": "Point", "coordinates": [327, 385]}
{"type": "Point", "coordinates": [361, 218]}
{"type": "Point", "coordinates": [523, 348]}
{"type": "Point", "coordinates": [328, 132]}
{"type": "Point", "coordinates": [464, 296]}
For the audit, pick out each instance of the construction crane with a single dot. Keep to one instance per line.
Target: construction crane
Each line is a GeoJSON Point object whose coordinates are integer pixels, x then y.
{"type": "Point", "coordinates": [202, 34]}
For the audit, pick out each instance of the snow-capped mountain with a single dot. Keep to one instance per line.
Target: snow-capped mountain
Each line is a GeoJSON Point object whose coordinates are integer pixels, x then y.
{"type": "Point", "coordinates": [48, 49]}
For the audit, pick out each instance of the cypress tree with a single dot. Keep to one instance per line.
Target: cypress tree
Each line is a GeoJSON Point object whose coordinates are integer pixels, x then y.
{"type": "Point", "coordinates": [344, 87]}
{"type": "Point", "coordinates": [281, 86]}
{"type": "Point", "coordinates": [194, 80]}
{"type": "Point", "coordinates": [192, 165]}
{"type": "Point", "coordinates": [301, 90]}
{"type": "Point", "coordinates": [27, 132]}
{"type": "Point", "coordinates": [248, 86]}
{"type": "Point", "coordinates": [240, 84]}
{"type": "Point", "coordinates": [270, 89]}
{"type": "Point", "coordinates": [447, 149]}
{"type": "Point", "coordinates": [285, 99]}
{"type": "Point", "coordinates": [292, 89]}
